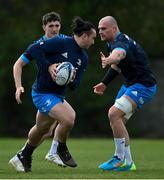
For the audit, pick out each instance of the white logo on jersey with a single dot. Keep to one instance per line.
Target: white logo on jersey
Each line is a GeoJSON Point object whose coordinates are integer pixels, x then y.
{"type": "Point", "coordinates": [65, 55]}
{"type": "Point", "coordinates": [134, 93]}
{"type": "Point", "coordinates": [127, 37]}
{"type": "Point", "coordinates": [79, 62]}
{"type": "Point", "coordinates": [48, 102]}
{"type": "Point", "coordinates": [41, 42]}
{"type": "Point", "coordinates": [141, 100]}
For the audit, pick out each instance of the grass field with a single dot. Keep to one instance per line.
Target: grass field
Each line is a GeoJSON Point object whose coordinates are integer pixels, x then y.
{"type": "Point", "coordinates": [89, 153]}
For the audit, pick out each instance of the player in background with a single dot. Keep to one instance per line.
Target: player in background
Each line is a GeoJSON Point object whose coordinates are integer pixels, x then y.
{"type": "Point", "coordinates": [128, 58]}
{"type": "Point", "coordinates": [48, 97]}
{"type": "Point", "coordinates": [51, 23]}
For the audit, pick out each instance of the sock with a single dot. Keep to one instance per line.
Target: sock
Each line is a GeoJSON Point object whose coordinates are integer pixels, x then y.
{"type": "Point", "coordinates": [28, 150]}
{"type": "Point", "coordinates": [62, 146]}
{"type": "Point", "coordinates": [120, 148]}
{"type": "Point", "coordinates": [54, 146]}
{"type": "Point", "coordinates": [128, 156]}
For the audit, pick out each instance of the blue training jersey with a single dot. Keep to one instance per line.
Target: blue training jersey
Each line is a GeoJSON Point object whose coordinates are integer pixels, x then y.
{"type": "Point", "coordinates": [25, 58]}
{"type": "Point", "coordinates": [56, 50]}
{"type": "Point", "coordinates": [134, 67]}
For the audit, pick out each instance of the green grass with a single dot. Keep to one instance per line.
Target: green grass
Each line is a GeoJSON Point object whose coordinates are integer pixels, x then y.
{"type": "Point", "coordinates": [89, 153]}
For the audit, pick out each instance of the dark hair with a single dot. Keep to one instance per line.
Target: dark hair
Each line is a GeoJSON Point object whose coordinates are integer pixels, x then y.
{"type": "Point", "coordinates": [49, 17]}
{"type": "Point", "coordinates": [79, 26]}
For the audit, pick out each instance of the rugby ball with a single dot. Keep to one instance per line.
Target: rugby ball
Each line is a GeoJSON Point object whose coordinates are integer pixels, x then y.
{"type": "Point", "coordinates": [64, 73]}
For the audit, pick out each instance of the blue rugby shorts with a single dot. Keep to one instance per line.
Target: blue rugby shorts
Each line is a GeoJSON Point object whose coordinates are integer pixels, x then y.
{"type": "Point", "coordinates": [45, 101]}
{"type": "Point", "coordinates": [139, 93]}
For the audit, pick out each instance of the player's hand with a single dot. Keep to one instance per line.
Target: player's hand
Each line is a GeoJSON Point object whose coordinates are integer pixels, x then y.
{"type": "Point", "coordinates": [99, 88]}
{"type": "Point", "coordinates": [104, 61]}
{"type": "Point", "coordinates": [18, 94]}
{"type": "Point", "coordinates": [52, 70]}
{"type": "Point", "coordinates": [74, 75]}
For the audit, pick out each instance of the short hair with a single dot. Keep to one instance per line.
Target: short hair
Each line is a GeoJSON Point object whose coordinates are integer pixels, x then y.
{"type": "Point", "coordinates": [79, 26]}
{"type": "Point", "coordinates": [49, 17]}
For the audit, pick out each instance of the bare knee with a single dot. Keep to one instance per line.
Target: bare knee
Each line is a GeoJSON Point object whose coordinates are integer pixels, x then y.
{"type": "Point", "coordinates": [115, 115]}
{"type": "Point", "coordinates": [112, 114]}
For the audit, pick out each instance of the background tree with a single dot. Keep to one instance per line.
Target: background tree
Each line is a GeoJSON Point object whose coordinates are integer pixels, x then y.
{"type": "Point", "coordinates": [21, 24]}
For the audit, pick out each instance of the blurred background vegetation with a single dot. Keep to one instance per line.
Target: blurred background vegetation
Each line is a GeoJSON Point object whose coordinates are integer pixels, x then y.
{"type": "Point", "coordinates": [21, 25]}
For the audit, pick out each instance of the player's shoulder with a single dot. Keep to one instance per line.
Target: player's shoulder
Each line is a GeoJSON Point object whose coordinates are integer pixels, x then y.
{"type": "Point", "coordinates": [125, 41]}
{"type": "Point", "coordinates": [42, 38]}
{"type": "Point", "coordinates": [121, 37]}
{"type": "Point", "coordinates": [63, 35]}
{"type": "Point", "coordinates": [59, 37]}
{"type": "Point", "coordinates": [124, 38]}
{"type": "Point", "coordinates": [67, 40]}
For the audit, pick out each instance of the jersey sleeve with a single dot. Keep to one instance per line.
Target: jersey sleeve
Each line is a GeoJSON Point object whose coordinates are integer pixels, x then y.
{"type": "Point", "coordinates": [24, 58]}
{"type": "Point", "coordinates": [39, 50]}
{"type": "Point", "coordinates": [120, 46]}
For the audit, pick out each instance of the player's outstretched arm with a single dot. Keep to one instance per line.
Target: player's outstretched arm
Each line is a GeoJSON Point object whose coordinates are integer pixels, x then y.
{"type": "Point", "coordinates": [17, 73]}
{"type": "Point", "coordinates": [114, 58]}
